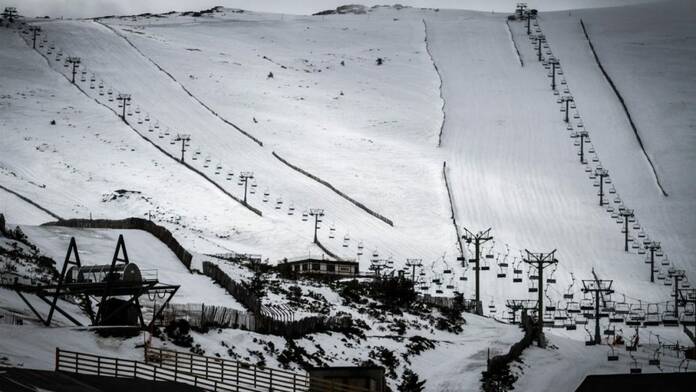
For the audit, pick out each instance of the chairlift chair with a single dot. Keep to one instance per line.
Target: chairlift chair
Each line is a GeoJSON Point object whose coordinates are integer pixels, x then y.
{"type": "Point", "coordinates": [279, 203]}
{"type": "Point", "coordinates": [612, 356]}
{"type": "Point", "coordinates": [652, 316]}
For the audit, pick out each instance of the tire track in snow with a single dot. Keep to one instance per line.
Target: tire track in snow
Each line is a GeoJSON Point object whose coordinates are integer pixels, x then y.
{"type": "Point", "coordinates": [208, 108]}
{"type": "Point", "coordinates": [623, 104]}
{"type": "Point", "coordinates": [333, 188]}
{"type": "Point", "coordinates": [32, 202]}
{"type": "Point", "coordinates": [514, 43]}
{"type": "Point", "coordinates": [163, 151]}
{"type": "Point", "coordinates": [439, 78]}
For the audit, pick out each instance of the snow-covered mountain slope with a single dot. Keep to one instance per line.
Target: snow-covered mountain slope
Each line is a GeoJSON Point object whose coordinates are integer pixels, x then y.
{"type": "Point", "coordinates": [511, 162]}
{"type": "Point", "coordinates": [648, 51]}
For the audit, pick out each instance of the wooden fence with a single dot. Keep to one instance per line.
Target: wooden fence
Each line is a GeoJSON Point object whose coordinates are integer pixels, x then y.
{"type": "Point", "coordinates": [336, 190]}
{"type": "Point", "coordinates": [266, 322]}
{"type": "Point", "coordinates": [206, 316]}
{"type": "Point", "coordinates": [160, 232]}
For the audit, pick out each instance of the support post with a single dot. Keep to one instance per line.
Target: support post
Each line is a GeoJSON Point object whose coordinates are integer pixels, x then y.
{"type": "Point", "coordinates": [540, 261]}
{"type": "Point", "coordinates": [477, 239]}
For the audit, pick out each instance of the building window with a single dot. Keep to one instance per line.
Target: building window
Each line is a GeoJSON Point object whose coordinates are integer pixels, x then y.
{"type": "Point", "coordinates": [330, 268]}
{"type": "Point", "coordinates": [304, 267]}
{"type": "Point", "coordinates": [316, 267]}
{"type": "Point", "coordinates": [346, 269]}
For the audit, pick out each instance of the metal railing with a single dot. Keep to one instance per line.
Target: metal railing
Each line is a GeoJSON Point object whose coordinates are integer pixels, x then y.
{"type": "Point", "coordinates": [242, 374]}
{"type": "Point", "coordinates": [83, 363]}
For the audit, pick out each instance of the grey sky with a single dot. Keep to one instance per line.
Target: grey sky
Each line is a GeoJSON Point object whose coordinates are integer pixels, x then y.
{"type": "Point", "coordinates": [90, 8]}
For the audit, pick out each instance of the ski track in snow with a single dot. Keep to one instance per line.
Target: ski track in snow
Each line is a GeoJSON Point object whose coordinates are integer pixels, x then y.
{"type": "Point", "coordinates": [208, 108]}
{"type": "Point", "coordinates": [163, 151]}
{"type": "Point", "coordinates": [439, 78]}
{"type": "Point", "coordinates": [623, 104]}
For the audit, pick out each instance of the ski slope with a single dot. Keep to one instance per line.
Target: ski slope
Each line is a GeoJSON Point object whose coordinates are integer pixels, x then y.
{"type": "Point", "coordinates": [120, 65]}
{"type": "Point", "coordinates": [524, 182]}
{"type": "Point", "coordinates": [373, 132]}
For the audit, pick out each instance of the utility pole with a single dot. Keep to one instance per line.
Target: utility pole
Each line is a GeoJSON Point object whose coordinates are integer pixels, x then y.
{"type": "Point", "coordinates": [626, 213]}
{"type": "Point", "coordinates": [245, 176]}
{"type": "Point", "coordinates": [554, 62]}
{"type": "Point", "coordinates": [477, 239]}
{"type": "Point", "coordinates": [598, 287]}
{"type": "Point", "coordinates": [317, 213]}
{"type": "Point", "coordinates": [678, 276]}
{"type": "Point", "coordinates": [125, 100]}
{"type": "Point", "coordinates": [184, 138]}
{"type": "Point", "coordinates": [652, 247]}
{"type": "Point", "coordinates": [582, 135]}
{"type": "Point", "coordinates": [35, 31]}
{"type": "Point", "coordinates": [529, 24]}
{"type": "Point", "coordinates": [414, 263]}
{"type": "Point", "coordinates": [75, 61]}
{"type": "Point", "coordinates": [601, 173]}
{"type": "Point", "coordinates": [567, 99]}
{"type": "Point", "coordinates": [540, 261]}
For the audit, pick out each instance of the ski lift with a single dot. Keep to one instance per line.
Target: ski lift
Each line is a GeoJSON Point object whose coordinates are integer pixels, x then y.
{"type": "Point", "coordinates": [652, 316]}
{"type": "Point", "coordinates": [517, 276]}
{"type": "Point", "coordinates": [346, 240]}
{"type": "Point", "coordinates": [291, 209]}
{"type": "Point", "coordinates": [332, 235]}
{"type": "Point", "coordinates": [665, 261]}
{"type": "Point", "coordinates": [610, 330]}
{"type": "Point", "coordinates": [669, 319]}
{"type": "Point", "coordinates": [573, 307]}
{"type": "Point", "coordinates": [589, 341]}
{"type": "Point", "coordinates": [305, 216]}
{"type": "Point", "coordinates": [586, 304]}
{"type": "Point", "coordinates": [635, 369]}
{"type": "Point", "coordinates": [612, 356]}
{"type": "Point", "coordinates": [157, 125]}
{"type": "Point", "coordinates": [570, 324]}
{"type": "Point", "coordinates": [279, 203]}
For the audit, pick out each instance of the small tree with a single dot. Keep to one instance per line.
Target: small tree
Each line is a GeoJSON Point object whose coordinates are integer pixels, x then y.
{"type": "Point", "coordinates": [410, 382]}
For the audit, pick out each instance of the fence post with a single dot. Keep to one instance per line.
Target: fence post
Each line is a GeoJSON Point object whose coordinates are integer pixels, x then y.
{"type": "Point", "coordinates": [116, 367]}
{"type": "Point", "coordinates": [57, 358]}
{"type": "Point", "coordinates": [98, 366]}
{"type": "Point", "coordinates": [135, 369]}
{"type": "Point", "coordinates": [77, 362]}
